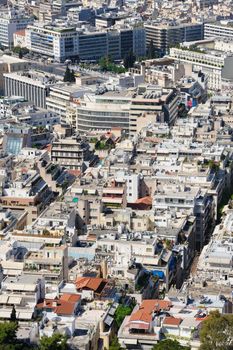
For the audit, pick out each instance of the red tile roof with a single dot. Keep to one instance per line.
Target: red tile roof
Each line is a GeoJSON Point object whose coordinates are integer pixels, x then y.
{"type": "Point", "coordinates": [65, 308]}
{"type": "Point", "coordinates": [145, 200]}
{"type": "Point", "coordinates": [65, 305]}
{"type": "Point", "coordinates": [172, 321]}
{"type": "Point", "coordinates": [147, 307]}
{"type": "Point", "coordinates": [92, 283]}
{"type": "Point", "coordinates": [20, 32]}
{"type": "Point", "coordinates": [73, 298]}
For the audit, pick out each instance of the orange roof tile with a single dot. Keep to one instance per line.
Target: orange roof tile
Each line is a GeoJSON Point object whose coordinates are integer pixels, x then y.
{"type": "Point", "coordinates": [141, 315]}
{"type": "Point", "coordinates": [92, 283]}
{"type": "Point", "coordinates": [64, 308]}
{"type": "Point", "coordinates": [60, 306]}
{"type": "Point", "coordinates": [73, 298]}
{"type": "Point", "coordinates": [74, 172]}
{"type": "Point", "coordinates": [21, 32]}
{"type": "Point", "coordinates": [172, 321]}
{"type": "Point", "coordinates": [145, 200]}
{"type": "Point", "coordinates": [147, 307]}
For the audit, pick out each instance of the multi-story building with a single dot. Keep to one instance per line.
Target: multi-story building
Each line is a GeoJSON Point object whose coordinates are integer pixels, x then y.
{"type": "Point", "coordinates": [202, 4]}
{"type": "Point", "coordinates": [62, 42]}
{"type": "Point", "coordinates": [59, 217]}
{"type": "Point", "coordinates": [70, 154]}
{"type": "Point", "coordinates": [215, 64]}
{"type": "Point", "coordinates": [166, 35]}
{"type": "Point", "coordinates": [10, 64]}
{"type": "Point", "coordinates": [23, 292]}
{"type": "Point", "coordinates": [103, 112]}
{"type": "Point", "coordinates": [11, 21]}
{"type": "Point", "coordinates": [28, 191]}
{"type": "Point", "coordinates": [50, 262]}
{"type": "Point", "coordinates": [33, 86]}
{"type": "Point", "coordinates": [218, 30]}
{"type": "Point", "coordinates": [152, 103]}
{"type": "Point", "coordinates": [59, 42]}
{"type": "Point", "coordinates": [199, 202]}
{"type": "Point", "coordinates": [129, 110]}
{"type": "Point", "coordinates": [61, 96]}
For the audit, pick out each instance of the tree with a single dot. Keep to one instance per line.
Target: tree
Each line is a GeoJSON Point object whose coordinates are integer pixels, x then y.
{"type": "Point", "coordinates": [151, 50]}
{"type": "Point", "coordinates": [114, 344]}
{"type": "Point", "coordinates": [13, 314]}
{"type": "Point", "coordinates": [20, 54]}
{"type": "Point", "coordinates": [105, 62]}
{"type": "Point", "coordinates": [217, 332]}
{"type": "Point", "coordinates": [55, 342]}
{"type": "Point", "coordinates": [8, 333]}
{"type": "Point", "coordinates": [121, 312]}
{"type": "Point", "coordinates": [72, 76]}
{"type": "Point", "coordinates": [129, 60]}
{"type": "Point", "coordinates": [67, 75]}
{"type": "Point", "coordinates": [169, 344]}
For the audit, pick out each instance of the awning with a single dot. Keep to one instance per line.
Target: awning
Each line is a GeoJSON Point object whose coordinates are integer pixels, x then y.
{"type": "Point", "coordinates": [3, 298]}
{"type": "Point", "coordinates": [138, 325]}
{"type": "Point", "coordinates": [14, 300]}
{"type": "Point", "coordinates": [158, 273]}
{"type": "Point", "coordinates": [25, 315]}
{"type": "Point", "coordinates": [5, 313]}
{"type": "Point", "coordinates": [109, 320]}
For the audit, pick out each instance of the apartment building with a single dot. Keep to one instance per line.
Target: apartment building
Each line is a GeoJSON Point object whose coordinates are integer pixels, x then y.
{"type": "Point", "coordinates": [12, 21]}
{"type": "Point", "coordinates": [49, 262]}
{"type": "Point", "coordinates": [28, 191]}
{"type": "Point", "coordinates": [86, 193]}
{"type": "Point", "coordinates": [169, 34]}
{"type": "Point", "coordinates": [215, 64]}
{"type": "Point", "coordinates": [71, 154]}
{"type": "Point", "coordinates": [24, 292]}
{"type": "Point", "coordinates": [191, 198]}
{"type": "Point", "coordinates": [127, 249]}
{"type": "Point", "coordinates": [59, 217]}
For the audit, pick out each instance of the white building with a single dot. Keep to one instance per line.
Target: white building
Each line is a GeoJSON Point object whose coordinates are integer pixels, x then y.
{"type": "Point", "coordinates": [217, 65]}
{"type": "Point", "coordinates": [11, 22]}
{"type": "Point", "coordinates": [57, 41]}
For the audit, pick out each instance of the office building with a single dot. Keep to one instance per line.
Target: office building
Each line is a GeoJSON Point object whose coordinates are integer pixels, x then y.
{"type": "Point", "coordinates": [128, 110]}
{"type": "Point", "coordinates": [32, 85]}
{"type": "Point", "coordinates": [9, 64]}
{"type": "Point", "coordinates": [223, 29]}
{"type": "Point", "coordinates": [166, 35]}
{"type": "Point", "coordinates": [215, 64]}
{"type": "Point", "coordinates": [103, 112]}
{"type": "Point", "coordinates": [57, 41]}
{"type": "Point", "coordinates": [62, 42]}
